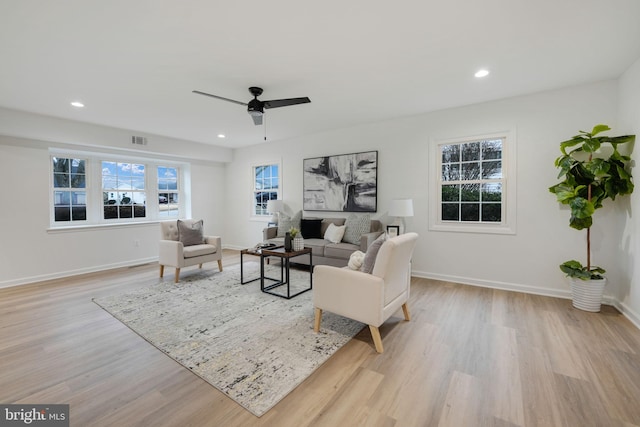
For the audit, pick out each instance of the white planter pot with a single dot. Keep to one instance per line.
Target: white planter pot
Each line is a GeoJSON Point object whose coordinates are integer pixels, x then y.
{"type": "Point", "coordinates": [298, 243]}
{"type": "Point", "coordinates": [587, 294]}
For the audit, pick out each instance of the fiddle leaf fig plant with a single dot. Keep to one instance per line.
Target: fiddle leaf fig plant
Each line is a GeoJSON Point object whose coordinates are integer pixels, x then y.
{"type": "Point", "coordinates": [592, 170]}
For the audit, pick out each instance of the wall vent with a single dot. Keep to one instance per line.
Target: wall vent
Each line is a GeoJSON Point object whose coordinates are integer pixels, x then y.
{"type": "Point", "coordinates": [139, 140]}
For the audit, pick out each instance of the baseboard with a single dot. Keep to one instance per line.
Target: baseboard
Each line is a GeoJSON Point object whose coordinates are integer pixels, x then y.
{"type": "Point", "coordinates": [633, 316]}
{"type": "Point", "coordinates": [527, 289]}
{"type": "Point", "coordinates": [70, 273]}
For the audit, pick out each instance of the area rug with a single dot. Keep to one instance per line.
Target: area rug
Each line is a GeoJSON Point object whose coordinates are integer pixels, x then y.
{"type": "Point", "coordinates": [252, 346]}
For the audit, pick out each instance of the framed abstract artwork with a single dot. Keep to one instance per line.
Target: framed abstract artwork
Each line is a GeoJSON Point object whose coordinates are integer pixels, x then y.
{"type": "Point", "coordinates": [341, 183]}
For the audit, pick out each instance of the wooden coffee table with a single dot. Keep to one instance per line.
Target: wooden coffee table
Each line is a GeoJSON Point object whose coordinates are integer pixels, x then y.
{"type": "Point", "coordinates": [256, 251]}
{"type": "Point", "coordinates": [284, 256]}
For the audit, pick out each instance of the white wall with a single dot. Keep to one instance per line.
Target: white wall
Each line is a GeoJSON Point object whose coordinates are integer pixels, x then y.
{"type": "Point", "coordinates": [30, 252]}
{"type": "Point", "coordinates": [629, 113]}
{"type": "Point", "coordinates": [525, 261]}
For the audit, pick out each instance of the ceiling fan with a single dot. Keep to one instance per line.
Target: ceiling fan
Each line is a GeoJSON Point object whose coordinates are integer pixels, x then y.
{"type": "Point", "coordinates": [255, 107]}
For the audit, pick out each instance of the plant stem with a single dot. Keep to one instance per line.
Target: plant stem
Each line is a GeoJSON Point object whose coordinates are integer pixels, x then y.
{"type": "Point", "coordinates": [589, 228]}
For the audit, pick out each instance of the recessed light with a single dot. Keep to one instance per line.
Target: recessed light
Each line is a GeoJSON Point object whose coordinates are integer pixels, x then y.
{"type": "Point", "coordinates": [481, 73]}
{"type": "Point", "coordinates": [220, 135]}
{"type": "Point", "coordinates": [77, 104]}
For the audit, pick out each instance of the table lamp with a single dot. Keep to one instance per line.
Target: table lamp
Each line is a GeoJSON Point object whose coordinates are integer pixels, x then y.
{"type": "Point", "coordinates": [273, 207]}
{"type": "Point", "coordinates": [401, 208]}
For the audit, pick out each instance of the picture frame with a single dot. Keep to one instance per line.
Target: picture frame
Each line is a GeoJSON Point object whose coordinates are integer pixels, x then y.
{"type": "Point", "coordinates": [393, 230]}
{"type": "Point", "coordinates": [341, 183]}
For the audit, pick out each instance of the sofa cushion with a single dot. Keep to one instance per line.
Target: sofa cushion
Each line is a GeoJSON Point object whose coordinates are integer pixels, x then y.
{"type": "Point", "coordinates": [316, 245]}
{"type": "Point", "coordinates": [334, 233]}
{"type": "Point", "coordinates": [328, 221]}
{"type": "Point", "coordinates": [285, 222]}
{"type": "Point", "coordinates": [356, 226]}
{"type": "Point", "coordinates": [311, 228]}
{"type": "Point", "coordinates": [340, 250]}
{"type": "Point", "coordinates": [190, 232]}
{"type": "Point", "coordinates": [372, 252]}
{"type": "Point", "coordinates": [199, 250]}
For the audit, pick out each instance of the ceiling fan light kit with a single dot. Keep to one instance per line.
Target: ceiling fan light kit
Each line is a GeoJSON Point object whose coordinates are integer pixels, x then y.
{"type": "Point", "coordinates": [255, 107]}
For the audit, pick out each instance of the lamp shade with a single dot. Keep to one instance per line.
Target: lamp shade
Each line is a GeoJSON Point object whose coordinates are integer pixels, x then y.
{"type": "Point", "coordinates": [401, 207]}
{"type": "Point", "coordinates": [274, 206]}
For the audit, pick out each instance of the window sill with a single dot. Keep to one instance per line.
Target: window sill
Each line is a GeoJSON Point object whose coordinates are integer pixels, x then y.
{"type": "Point", "coordinates": [473, 228]}
{"type": "Point", "coordinates": [92, 227]}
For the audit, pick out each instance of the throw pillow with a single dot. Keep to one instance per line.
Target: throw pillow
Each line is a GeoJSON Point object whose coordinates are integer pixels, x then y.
{"type": "Point", "coordinates": [372, 252]}
{"type": "Point", "coordinates": [285, 222]}
{"type": "Point", "coordinates": [334, 233]}
{"type": "Point", "coordinates": [356, 226]}
{"type": "Point", "coordinates": [311, 228]}
{"type": "Point", "coordinates": [355, 260]}
{"type": "Point", "coordinates": [190, 233]}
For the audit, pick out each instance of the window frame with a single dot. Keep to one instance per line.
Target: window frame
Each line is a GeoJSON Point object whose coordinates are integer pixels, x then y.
{"type": "Point", "coordinates": [121, 206]}
{"type": "Point", "coordinates": [253, 190]}
{"type": "Point", "coordinates": [53, 189]}
{"type": "Point", "coordinates": [178, 191]}
{"type": "Point", "coordinates": [94, 188]}
{"type": "Point", "coordinates": [507, 225]}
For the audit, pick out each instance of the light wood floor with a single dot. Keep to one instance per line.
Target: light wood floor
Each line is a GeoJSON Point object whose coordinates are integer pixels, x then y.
{"type": "Point", "coordinates": [469, 357]}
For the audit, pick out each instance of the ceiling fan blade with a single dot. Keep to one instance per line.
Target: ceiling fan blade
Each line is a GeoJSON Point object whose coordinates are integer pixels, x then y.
{"type": "Point", "coordinates": [275, 103]}
{"type": "Point", "coordinates": [219, 97]}
{"type": "Point", "coordinates": [257, 119]}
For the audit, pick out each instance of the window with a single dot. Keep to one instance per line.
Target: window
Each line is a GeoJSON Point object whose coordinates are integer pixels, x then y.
{"type": "Point", "coordinates": [168, 194]}
{"type": "Point", "coordinates": [124, 193]}
{"type": "Point", "coordinates": [123, 190]}
{"type": "Point", "coordinates": [266, 180]}
{"type": "Point", "coordinates": [69, 189]}
{"type": "Point", "coordinates": [471, 185]}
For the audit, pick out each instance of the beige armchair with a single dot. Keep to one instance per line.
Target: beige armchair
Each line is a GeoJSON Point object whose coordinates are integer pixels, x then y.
{"type": "Point", "coordinates": [176, 253]}
{"type": "Point", "coordinates": [367, 298]}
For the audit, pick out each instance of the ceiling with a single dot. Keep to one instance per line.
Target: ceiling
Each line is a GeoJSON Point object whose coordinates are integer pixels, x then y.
{"type": "Point", "coordinates": [134, 64]}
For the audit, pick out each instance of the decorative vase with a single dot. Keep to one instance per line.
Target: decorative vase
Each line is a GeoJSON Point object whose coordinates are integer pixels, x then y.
{"type": "Point", "coordinates": [587, 294]}
{"type": "Point", "coordinates": [298, 243]}
{"type": "Point", "coordinates": [287, 241]}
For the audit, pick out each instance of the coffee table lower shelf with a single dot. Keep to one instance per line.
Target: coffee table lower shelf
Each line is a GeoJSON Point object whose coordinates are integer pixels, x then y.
{"type": "Point", "coordinates": [284, 256]}
{"type": "Point", "coordinates": [256, 252]}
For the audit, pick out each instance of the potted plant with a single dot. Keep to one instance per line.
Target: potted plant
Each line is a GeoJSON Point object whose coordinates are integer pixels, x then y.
{"type": "Point", "coordinates": [297, 239]}
{"type": "Point", "coordinates": [592, 170]}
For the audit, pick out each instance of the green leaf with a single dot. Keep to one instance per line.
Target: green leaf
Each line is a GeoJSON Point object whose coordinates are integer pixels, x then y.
{"type": "Point", "coordinates": [570, 143]}
{"type": "Point", "coordinates": [576, 270]}
{"type": "Point", "coordinates": [622, 139]}
{"type": "Point", "coordinates": [599, 167]}
{"type": "Point", "coordinates": [599, 128]}
{"type": "Point", "coordinates": [581, 207]}
{"type": "Point", "coordinates": [591, 145]}
{"type": "Point", "coordinates": [580, 223]}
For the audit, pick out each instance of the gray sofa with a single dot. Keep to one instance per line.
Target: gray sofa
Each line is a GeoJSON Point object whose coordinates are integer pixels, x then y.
{"type": "Point", "coordinates": [324, 252]}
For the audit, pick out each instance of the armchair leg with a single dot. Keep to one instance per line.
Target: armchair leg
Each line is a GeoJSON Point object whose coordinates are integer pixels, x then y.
{"type": "Point", "coordinates": [220, 264]}
{"type": "Point", "coordinates": [177, 279]}
{"type": "Point", "coordinates": [405, 310]}
{"type": "Point", "coordinates": [161, 270]}
{"type": "Point", "coordinates": [375, 334]}
{"type": "Point", "coordinates": [318, 319]}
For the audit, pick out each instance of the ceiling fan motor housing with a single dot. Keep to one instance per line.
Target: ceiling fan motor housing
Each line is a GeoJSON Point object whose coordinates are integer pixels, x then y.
{"type": "Point", "coordinates": [255, 107]}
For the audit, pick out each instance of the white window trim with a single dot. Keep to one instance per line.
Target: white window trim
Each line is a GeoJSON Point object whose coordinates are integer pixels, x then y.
{"type": "Point", "coordinates": [252, 215]}
{"type": "Point", "coordinates": [95, 217]}
{"type": "Point", "coordinates": [508, 224]}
